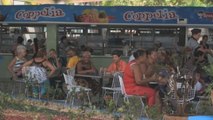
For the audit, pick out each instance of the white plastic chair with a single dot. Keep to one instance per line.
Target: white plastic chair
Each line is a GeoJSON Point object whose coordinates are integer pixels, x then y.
{"type": "Point", "coordinates": [115, 89]}
{"type": "Point", "coordinates": [181, 87]}
{"type": "Point", "coordinates": [30, 81]}
{"type": "Point", "coordinates": [190, 96]}
{"type": "Point", "coordinates": [20, 82]}
{"type": "Point", "coordinates": [71, 71]}
{"type": "Point", "coordinates": [72, 87]}
{"type": "Point", "coordinates": [126, 96]}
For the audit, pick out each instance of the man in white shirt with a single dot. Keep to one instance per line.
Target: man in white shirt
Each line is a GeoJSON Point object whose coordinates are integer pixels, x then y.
{"type": "Point", "coordinates": [192, 43]}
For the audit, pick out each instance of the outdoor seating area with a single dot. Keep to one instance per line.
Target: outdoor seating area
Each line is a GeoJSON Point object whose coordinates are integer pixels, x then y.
{"type": "Point", "coordinates": [176, 87]}
{"type": "Point", "coordinates": [67, 62]}
{"type": "Point", "coordinates": [153, 81]}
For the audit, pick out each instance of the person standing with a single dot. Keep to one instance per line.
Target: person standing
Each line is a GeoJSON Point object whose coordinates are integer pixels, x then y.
{"type": "Point", "coordinates": [38, 68]}
{"type": "Point", "coordinates": [192, 43]}
{"type": "Point", "coordinates": [15, 66]}
{"type": "Point", "coordinates": [191, 46]}
{"type": "Point", "coordinates": [19, 41]}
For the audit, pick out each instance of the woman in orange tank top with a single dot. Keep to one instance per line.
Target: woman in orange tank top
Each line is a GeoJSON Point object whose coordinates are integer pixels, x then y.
{"type": "Point", "coordinates": [134, 79]}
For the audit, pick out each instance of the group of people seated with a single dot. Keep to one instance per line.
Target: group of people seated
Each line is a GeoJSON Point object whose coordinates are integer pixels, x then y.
{"type": "Point", "coordinates": [47, 68]}
{"type": "Point", "coordinates": [145, 66]}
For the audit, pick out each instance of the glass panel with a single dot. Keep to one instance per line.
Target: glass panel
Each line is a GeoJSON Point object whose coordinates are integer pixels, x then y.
{"type": "Point", "coordinates": [104, 40]}
{"type": "Point", "coordinates": [9, 34]}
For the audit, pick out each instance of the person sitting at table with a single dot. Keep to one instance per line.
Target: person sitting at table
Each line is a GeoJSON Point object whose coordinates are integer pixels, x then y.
{"type": "Point", "coordinates": [117, 65]}
{"type": "Point", "coordinates": [154, 68]}
{"type": "Point", "coordinates": [199, 83]}
{"type": "Point", "coordinates": [15, 65]}
{"type": "Point", "coordinates": [56, 62]}
{"type": "Point", "coordinates": [85, 66]}
{"type": "Point", "coordinates": [135, 81]}
{"type": "Point", "coordinates": [72, 58]}
{"type": "Point", "coordinates": [39, 65]}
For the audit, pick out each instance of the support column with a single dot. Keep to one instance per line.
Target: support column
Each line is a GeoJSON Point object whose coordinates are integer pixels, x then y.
{"type": "Point", "coordinates": [51, 36]}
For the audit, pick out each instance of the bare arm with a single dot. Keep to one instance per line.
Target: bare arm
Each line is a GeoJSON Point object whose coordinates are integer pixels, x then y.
{"type": "Point", "coordinates": [28, 63]}
{"type": "Point", "coordinates": [139, 79]}
{"type": "Point", "coordinates": [81, 71]}
{"type": "Point", "coordinates": [10, 66]}
{"type": "Point", "coordinates": [50, 66]}
{"type": "Point", "coordinates": [58, 62]}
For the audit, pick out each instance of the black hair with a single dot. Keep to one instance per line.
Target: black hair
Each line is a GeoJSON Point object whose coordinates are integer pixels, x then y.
{"type": "Point", "coordinates": [29, 40]}
{"type": "Point", "coordinates": [62, 38]}
{"type": "Point", "coordinates": [195, 31]}
{"type": "Point", "coordinates": [72, 49]}
{"type": "Point", "coordinates": [86, 48]}
{"type": "Point", "coordinates": [117, 52]}
{"type": "Point", "coordinates": [20, 40]}
{"type": "Point", "coordinates": [205, 36]}
{"type": "Point", "coordinates": [150, 50]}
{"type": "Point", "coordinates": [201, 42]}
{"type": "Point", "coordinates": [40, 53]}
{"type": "Point", "coordinates": [35, 42]}
{"type": "Point", "coordinates": [139, 53]}
{"type": "Point", "coordinates": [52, 50]}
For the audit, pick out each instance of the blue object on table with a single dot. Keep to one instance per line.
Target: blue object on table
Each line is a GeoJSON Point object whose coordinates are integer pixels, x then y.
{"type": "Point", "coordinates": [200, 118]}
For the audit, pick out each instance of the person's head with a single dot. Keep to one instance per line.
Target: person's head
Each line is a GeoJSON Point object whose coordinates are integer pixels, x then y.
{"type": "Point", "coordinates": [202, 44]}
{"type": "Point", "coordinates": [197, 73]}
{"type": "Point", "coordinates": [29, 41]}
{"type": "Point", "coordinates": [86, 55]}
{"type": "Point", "coordinates": [204, 38]}
{"type": "Point", "coordinates": [63, 39]}
{"type": "Point", "coordinates": [140, 55]}
{"type": "Point", "coordinates": [35, 41]}
{"type": "Point", "coordinates": [152, 54]}
{"type": "Point", "coordinates": [87, 48]}
{"type": "Point", "coordinates": [116, 56]}
{"type": "Point", "coordinates": [41, 53]}
{"type": "Point", "coordinates": [71, 52]}
{"type": "Point", "coordinates": [52, 53]}
{"type": "Point", "coordinates": [161, 55]}
{"type": "Point", "coordinates": [157, 44]}
{"type": "Point", "coordinates": [196, 33]}
{"type": "Point", "coordinates": [21, 51]}
{"type": "Point", "coordinates": [20, 40]}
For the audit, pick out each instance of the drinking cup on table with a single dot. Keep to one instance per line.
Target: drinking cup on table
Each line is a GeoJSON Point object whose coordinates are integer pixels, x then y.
{"type": "Point", "coordinates": [104, 71]}
{"type": "Point", "coordinates": [101, 70]}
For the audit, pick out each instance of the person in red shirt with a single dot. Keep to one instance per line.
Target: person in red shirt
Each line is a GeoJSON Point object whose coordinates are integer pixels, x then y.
{"type": "Point", "coordinates": [117, 65]}
{"type": "Point", "coordinates": [135, 81]}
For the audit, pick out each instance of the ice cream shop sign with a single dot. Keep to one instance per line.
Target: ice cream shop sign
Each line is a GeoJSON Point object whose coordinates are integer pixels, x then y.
{"type": "Point", "coordinates": [160, 14]}
{"type": "Point", "coordinates": [106, 14]}
{"type": "Point", "coordinates": [50, 12]}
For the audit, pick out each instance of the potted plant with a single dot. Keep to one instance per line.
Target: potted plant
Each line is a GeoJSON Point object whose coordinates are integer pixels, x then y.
{"type": "Point", "coordinates": [209, 70]}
